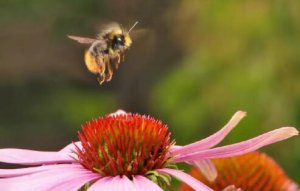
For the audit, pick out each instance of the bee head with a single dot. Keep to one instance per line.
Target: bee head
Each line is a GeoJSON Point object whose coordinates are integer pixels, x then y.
{"type": "Point", "coordinates": [120, 41]}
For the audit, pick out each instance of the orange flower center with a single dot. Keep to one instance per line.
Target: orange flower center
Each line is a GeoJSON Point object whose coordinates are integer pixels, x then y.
{"type": "Point", "coordinates": [128, 144]}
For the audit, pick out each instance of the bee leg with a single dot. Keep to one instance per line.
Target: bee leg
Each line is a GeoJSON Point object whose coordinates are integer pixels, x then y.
{"type": "Point", "coordinates": [118, 59]}
{"type": "Point", "coordinates": [101, 78]}
{"type": "Point", "coordinates": [122, 57]}
{"type": "Point", "coordinates": [109, 74]}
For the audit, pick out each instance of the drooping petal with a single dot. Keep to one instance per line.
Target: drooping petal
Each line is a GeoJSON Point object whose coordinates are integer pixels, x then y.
{"type": "Point", "coordinates": [6, 173]}
{"type": "Point", "coordinates": [207, 168]}
{"type": "Point", "coordinates": [191, 181]}
{"type": "Point", "coordinates": [143, 183]}
{"type": "Point", "coordinates": [242, 147]}
{"type": "Point", "coordinates": [31, 157]}
{"type": "Point", "coordinates": [213, 139]}
{"type": "Point", "coordinates": [74, 183]}
{"type": "Point", "coordinates": [116, 183]}
{"type": "Point", "coordinates": [47, 179]}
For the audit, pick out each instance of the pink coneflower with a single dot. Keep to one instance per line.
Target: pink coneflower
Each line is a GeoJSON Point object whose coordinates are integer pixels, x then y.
{"type": "Point", "coordinates": [251, 171]}
{"type": "Point", "coordinates": [125, 152]}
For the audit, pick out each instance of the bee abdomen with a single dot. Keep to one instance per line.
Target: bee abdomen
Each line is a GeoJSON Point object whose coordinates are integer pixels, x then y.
{"type": "Point", "coordinates": [91, 62]}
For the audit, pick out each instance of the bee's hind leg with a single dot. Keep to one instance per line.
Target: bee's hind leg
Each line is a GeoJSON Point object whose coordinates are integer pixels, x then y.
{"type": "Point", "coordinates": [102, 76]}
{"type": "Point", "coordinates": [101, 79]}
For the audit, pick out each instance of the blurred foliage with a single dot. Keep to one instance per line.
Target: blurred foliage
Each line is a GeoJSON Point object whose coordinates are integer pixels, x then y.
{"type": "Point", "coordinates": [199, 63]}
{"type": "Point", "coordinates": [51, 116]}
{"type": "Point", "coordinates": [239, 55]}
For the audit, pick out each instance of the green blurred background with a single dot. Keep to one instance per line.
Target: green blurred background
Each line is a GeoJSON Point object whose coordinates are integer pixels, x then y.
{"type": "Point", "coordinates": [198, 63]}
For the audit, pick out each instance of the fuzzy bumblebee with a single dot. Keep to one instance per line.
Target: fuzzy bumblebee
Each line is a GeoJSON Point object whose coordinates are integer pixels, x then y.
{"type": "Point", "coordinates": [106, 50]}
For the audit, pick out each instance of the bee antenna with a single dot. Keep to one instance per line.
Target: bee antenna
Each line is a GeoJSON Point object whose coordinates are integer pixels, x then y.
{"type": "Point", "coordinates": [132, 26]}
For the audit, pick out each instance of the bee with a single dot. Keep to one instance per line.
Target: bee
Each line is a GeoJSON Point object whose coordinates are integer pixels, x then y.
{"type": "Point", "coordinates": [106, 50]}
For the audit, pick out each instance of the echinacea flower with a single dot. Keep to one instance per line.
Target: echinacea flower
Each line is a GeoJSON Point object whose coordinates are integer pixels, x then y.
{"type": "Point", "coordinates": [251, 171]}
{"type": "Point", "coordinates": [124, 152]}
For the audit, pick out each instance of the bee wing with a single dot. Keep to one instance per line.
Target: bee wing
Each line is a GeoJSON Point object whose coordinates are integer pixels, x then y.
{"type": "Point", "coordinates": [139, 33]}
{"type": "Point", "coordinates": [82, 40]}
{"type": "Point", "coordinates": [108, 28]}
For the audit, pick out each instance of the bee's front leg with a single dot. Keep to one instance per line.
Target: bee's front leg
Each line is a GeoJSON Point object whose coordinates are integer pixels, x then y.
{"type": "Point", "coordinates": [109, 74]}
{"type": "Point", "coordinates": [122, 57]}
{"type": "Point", "coordinates": [117, 60]}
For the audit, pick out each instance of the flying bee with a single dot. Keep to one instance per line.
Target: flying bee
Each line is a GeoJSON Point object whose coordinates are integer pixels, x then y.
{"type": "Point", "coordinates": [106, 50]}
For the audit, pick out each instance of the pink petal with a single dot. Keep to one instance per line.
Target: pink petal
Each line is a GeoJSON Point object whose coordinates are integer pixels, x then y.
{"type": "Point", "coordinates": [144, 184]}
{"type": "Point", "coordinates": [292, 187]}
{"type": "Point", "coordinates": [118, 112]}
{"type": "Point", "coordinates": [213, 139]}
{"type": "Point", "coordinates": [116, 183]}
{"type": "Point", "coordinates": [6, 173]}
{"type": "Point", "coordinates": [191, 181]}
{"type": "Point", "coordinates": [75, 183]}
{"type": "Point", "coordinates": [102, 184]}
{"type": "Point", "coordinates": [207, 168]}
{"type": "Point", "coordinates": [242, 147]}
{"type": "Point", "coordinates": [45, 180]}
{"type": "Point", "coordinates": [30, 157]}
{"type": "Point", "coordinates": [232, 188]}
{"type": "Point", "coordinates": [70, 148]}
